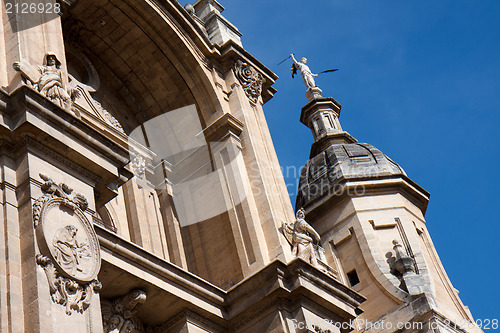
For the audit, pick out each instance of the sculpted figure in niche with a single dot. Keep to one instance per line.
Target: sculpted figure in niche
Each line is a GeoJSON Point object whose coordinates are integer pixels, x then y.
{"type": "Point", "coordinates": [305, 72]}
{"type": "Point", "coordinates": [68, 252]}
{"type": "Point", "coordinates": [302, 237]}
{"type": "Point", "coordinates": [48, 80]}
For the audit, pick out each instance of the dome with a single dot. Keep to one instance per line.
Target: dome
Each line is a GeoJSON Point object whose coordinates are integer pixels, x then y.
{"type": "Point", "coordinates": [324, 174]}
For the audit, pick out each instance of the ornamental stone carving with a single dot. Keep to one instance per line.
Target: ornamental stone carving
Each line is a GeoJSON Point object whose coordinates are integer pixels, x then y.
{"type": "Point", "coordinates": [250, 79]}
{"type": "Point", "coordinates": [302, 237]}
{"type": "Point", "coordinates": [48, 80]}
{"type": "Point", "coordinates": [65, 291]}
{"type": "Point", "coordinates": [118, 315]}
{"type": "Point", "coordinates": [138, 164]}
{"type": "Point", "coordinates": [68, 244]}
{"type": "Point", "coordinates": [88, 102]}
{"type": "Point", "coordinates": [403, 263]}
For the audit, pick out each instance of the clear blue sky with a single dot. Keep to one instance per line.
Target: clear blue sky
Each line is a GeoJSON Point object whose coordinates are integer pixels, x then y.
{"type": "Point", "coordinates": [418, 80]}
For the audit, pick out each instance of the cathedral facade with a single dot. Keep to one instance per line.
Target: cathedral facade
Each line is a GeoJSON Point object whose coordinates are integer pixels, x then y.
{"type": "Point", "coordinates": [141, 191]}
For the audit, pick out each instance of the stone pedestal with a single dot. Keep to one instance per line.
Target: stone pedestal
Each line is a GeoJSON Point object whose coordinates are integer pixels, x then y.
{"type": "Point", "coordinates": [321, 115]}
{"type": "Point", "coordinates": [313, 93]}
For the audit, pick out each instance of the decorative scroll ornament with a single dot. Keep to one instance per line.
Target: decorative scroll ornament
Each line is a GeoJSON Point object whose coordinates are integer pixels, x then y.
{"type": "Point", "coordinates": [69, 246]}
{"type": "Point", "coordinates": [251, 80]}
{"type": "Point", "coordinates": [118, 315]}
{"type": "Point", "coordinates": [65, 291]}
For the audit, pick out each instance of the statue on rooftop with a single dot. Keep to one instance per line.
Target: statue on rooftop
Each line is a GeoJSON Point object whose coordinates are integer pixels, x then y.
{"type": "Point", "coordinates": [302, 237]}
{"type": "Point", "coordinates": [313, 90]}
{"type": "Point", "coordinates": [47, 80]}
{"type": "Point", "coordinates": [305, 72]}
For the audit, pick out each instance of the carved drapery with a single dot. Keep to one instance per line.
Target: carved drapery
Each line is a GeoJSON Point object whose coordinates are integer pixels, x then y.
{"type": "Point", "coordinates": [118, 315]}
{"type": "Point", "coordinates": [48, 80]}
{"type": "Point", "coordinates": [250, 79]}
{"type": "Point", "coordinates": [68, 244]}
{"type": "Point", "coordinates": [302, 237]}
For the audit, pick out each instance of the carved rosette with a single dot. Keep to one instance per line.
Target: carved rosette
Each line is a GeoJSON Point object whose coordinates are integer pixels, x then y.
{"type": "Point", "coordinates": [250, 79]}
{"type": "Point", "coordinates": [68, 244]}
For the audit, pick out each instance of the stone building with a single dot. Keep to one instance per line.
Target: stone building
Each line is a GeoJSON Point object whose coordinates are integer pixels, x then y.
{"type": "Point", "coordinates": [141, 191]}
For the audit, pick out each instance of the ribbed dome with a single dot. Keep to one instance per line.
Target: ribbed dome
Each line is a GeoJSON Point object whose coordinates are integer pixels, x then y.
{"type": "Point", "coordinates": [323, 174]}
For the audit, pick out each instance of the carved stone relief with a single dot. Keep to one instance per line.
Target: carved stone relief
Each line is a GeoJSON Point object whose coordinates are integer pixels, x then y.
{"type": "Point", "coordinates": [251, 80]}
{"type": "Point", "coordinates": [65, 291]}
{"type": "Point", "coordinates": [68, 244]}
{"type": "Point", "coordinates": [138, 164]}
{"type": "Point", "coordinates": [118, 315]}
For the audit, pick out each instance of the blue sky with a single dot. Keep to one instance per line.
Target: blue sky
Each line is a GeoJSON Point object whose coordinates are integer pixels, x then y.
{"type": "Point", "coordinates": [420, 81]}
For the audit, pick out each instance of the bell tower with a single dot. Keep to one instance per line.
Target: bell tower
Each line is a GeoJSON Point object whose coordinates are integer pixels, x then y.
{"type": "Point", "coordinates": [371, 219]}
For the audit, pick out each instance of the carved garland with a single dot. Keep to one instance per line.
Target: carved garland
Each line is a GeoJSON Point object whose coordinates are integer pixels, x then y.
{"type": "Point", "coordinates": [70, 250]}
{"type": "Point", "coordinates": [251, 80]}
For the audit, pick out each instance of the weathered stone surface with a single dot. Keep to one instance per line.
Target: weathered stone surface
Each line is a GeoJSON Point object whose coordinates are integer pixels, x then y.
{"type": "Point", "coordinates": [93, 118]}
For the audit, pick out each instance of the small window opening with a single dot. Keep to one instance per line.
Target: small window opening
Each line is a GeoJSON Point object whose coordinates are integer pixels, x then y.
{"type": "Point", "coordinates": [353, 278]}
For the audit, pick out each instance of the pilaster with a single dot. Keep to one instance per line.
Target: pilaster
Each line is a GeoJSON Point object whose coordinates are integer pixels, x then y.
{"type": "Point", "coordinates": [267, 187]}
{"type": "Point", "coordinates": [29, 37]}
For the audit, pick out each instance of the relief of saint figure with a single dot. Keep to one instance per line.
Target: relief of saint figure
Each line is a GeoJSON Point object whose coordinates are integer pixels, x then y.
{"type": "Point", "coordinates": [48, 80]}
{"type": "Point", "coordinates": [68, 252]}
{"type": "Point", "coordinates": [302, 237]}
